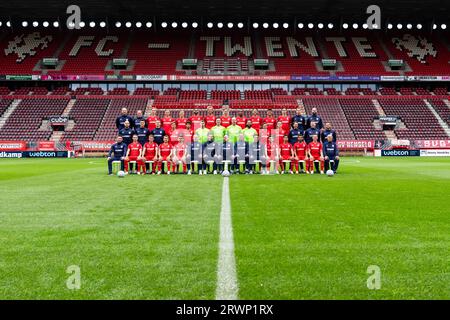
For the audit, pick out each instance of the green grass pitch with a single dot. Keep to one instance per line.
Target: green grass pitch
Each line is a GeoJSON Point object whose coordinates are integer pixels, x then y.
{"type": "Point", "coordinates": [156, 237]}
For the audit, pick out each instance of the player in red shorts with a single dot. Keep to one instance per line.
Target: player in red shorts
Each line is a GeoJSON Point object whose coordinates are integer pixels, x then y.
{"type": "Point", "coordinates": [210, 119]}
{"type": "Point", "coordinates": [271, 154]}
{"type": "Point", "coordinates": [225, 119]}
{"type": "Point", "coordinates": [165, 155]}
{"type": "Point", "coordinates": [150, 153]}
{"type": "Point", "coordinates": [133, 154]}
{"type": "Point", "coordinates": [315, 153]}
{"type": "Point", "coordinates": [285, 120]}
{"type": "Point", "coordinates": [181, 121]}
{"type": "Point", "coordinates": [179, 155]}
{"type": "Point", "coordinates": [301, 154]}
{"type": "Point", "coordinates": [286, 153]}
{"type": "Point", "coordinates": [270, 120]}
{"type": "Point", "coordinates": [151, 120]}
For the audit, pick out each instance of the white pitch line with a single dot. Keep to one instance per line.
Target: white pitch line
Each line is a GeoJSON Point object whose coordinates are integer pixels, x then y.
{"type": "Point", "coordinates": [227, 286]}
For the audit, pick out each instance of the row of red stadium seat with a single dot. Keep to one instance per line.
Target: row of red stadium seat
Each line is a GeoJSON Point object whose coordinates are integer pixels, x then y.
{"type": "Point", "coordinates": [273, 94]}
{"type": "Point", "coordinates": [161, 53]}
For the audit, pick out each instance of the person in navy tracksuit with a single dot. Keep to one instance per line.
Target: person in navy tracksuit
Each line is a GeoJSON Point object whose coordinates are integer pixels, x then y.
{"type": "Point", "coordinates": [328, 130]}
{"type": "Point", "coordinates": [330, 152]}
{"type": "Point", "coordinates": [120, 121]}
{"type": "Point", "coordinates": [117, 152]}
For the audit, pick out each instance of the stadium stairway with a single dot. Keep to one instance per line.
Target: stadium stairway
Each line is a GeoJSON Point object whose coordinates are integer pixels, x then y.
{"type": "Point", "coordinates": [441, 122]}
{"type": "Point", "coordinates": [9, 111]}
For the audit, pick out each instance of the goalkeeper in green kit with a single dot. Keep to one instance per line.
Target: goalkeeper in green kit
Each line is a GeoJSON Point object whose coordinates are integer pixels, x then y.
{"type": "Point", "coordinates": [233, 131]}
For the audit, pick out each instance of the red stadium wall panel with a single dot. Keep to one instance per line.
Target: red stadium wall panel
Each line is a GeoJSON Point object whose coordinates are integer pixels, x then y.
{"type": "Point", "coordinates": [432, 144]}
{"type": "Point", "coordinates": [46, 146]}
{"type": "Point", "coordinates": [356, 144]}
{"type": "Point", "coordinates": [13, 145]}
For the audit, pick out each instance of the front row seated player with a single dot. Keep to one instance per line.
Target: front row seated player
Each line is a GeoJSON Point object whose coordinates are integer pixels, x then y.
{"type": "Point", "coordinates": [240, 155]}
{"type": "Point", "coordinates": [150, 153]}
{"type": "Point", "coordinates": [165, 156]}
{"type": "Point", "coordinates": [117, 152]}
{"type": "Point", "coordinates": [271, 155]}
{"type": "Point", "coordinates": [315, 154]}
{"type": "Point", "coordinates": [133, 154]}
{"type": "Point", "coordinates": [194, 155]}
{"type": "Point", "coordinates": [179, 155]}
{"type": "Point", "coordinates": [210, 154]}
{"type": "Point", "coordinates": [331, 153]}
{"type": "Point", "coordinates": [287, 154]}
{"type": "Point", "coordinates": [301, 155]}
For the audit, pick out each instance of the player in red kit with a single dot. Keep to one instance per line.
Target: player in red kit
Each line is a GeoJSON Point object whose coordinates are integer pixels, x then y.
{"type": "Point", "coordinates": [315, 154]}
{"type": "Point", "coordinates": [241, 121]}
{"type": "Point", "coordinates": [286, 154]}
{"type": "Point", "coordinates": [271, 155]}
{"type": "Point", "coordinates": [210, 119]}
{"type": "Point", "coordinates": [166, 121]}
{"type": "Point", "coordinates": [179, 155]}
{"type": "Point", "coordinates": [301, 155]}
{"type": "Point", "coordinates": [285, 120]}
{"type": "Point", "coordinates": [151, 120]}
{"type": "Point", "coordinates": [270, 120]}
{"type": "Point", "coordinates": [173, 134]}
{"type": "Point", "coordinates": [225, 119]}
{"type": "Point", "coordinates": [264, 134]}
{"type": "Point", "coordinates": [133, 154]}
{"type": "Point", "coordinates": [187, 133]}
{"type": "Point", "coordinates": [196, 120]}
{"type": "Point", "coordinates": [181, 120]}
{"type": "Point", "coordinates": [256, 120]}
{"type": "Point", "coordinates": [165, 153]}
{"type": "Point", "coordinates": [150, 153]}
{"type": "Point", "coordinates": [279, 132]}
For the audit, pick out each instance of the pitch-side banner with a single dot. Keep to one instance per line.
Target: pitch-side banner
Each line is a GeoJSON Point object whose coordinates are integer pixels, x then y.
{"type": "Point", "coordinates": [355, 144]}
{"type": "Point", "coordinates": [432, 144]}
{"type": "Point", "coordinates": [435, 153]}
{"type": "Point", "coordinates": [13, 146]}
{"type": "Point", "coordinates": [95, 145]}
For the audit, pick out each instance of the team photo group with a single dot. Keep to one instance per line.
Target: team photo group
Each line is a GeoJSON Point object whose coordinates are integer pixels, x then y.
{"type": "Point", "coordinates": [223, 144]}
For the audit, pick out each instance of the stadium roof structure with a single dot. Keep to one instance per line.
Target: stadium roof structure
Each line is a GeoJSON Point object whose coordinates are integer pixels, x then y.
{"type": "Point", "coordinates": [423, 11]}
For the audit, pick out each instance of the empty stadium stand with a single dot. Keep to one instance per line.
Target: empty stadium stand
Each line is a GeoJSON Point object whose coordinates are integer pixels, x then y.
{"type": "Point", "coordinates": [161, 53]}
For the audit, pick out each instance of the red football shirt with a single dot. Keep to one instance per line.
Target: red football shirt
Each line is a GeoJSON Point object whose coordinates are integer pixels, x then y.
{"type": "Point", "coordinates": [270, 122]}
{"type": "Point", "coordinates": [165, 149]}
{"type": "Point", "coordinates": [180, 149]}
{"type": "Point", "coordinates": [150, 149]}
{"type": "Point", "coordinates": [300, 149]}
{"type": "Point", "coordinates": [181, 123]}
{"type": "Point", "coordinates": [241, 122]}
{"type": "Point", "coordinates": [285, 150]}
{"type": "Point", "coordinates": [187, 134]}
{"type": "Point", "coordinates": [286, 122]}
{"type": "Point", "coordinates": [151, 122]}
{"type": "Point", "coordinates": [315, 149]}
{"type": "Point", "coordinates": [210, 121]}
{"type": "Point", "coordinates": [135, 149]}
{"type": "Point", "coordinates": [166, 123]}
{"type": "Point", "coordinates": [256, 122]}
{"type": "Point", "coordinates": [196, 122]}
{"type": "Point", "coordinates": [225, 121]}
{"type": "Point", "coordinates": [173, 135]}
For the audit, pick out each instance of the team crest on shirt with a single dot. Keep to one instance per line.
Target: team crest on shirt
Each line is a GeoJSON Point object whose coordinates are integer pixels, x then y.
{"type": "Point", "coordinates": [419, 48]}
{"type": "Point", "coordinates": [25, 46]}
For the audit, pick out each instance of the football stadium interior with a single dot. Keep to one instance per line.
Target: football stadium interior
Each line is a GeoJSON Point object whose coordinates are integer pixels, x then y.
{"type": "Point", "coordinates": [383, 88]}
